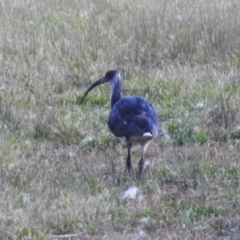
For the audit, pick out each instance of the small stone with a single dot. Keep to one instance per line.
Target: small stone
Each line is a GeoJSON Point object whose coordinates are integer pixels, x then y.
{"type": "Point", "coordinates": [131, 193]}
{"type": "Point", "coordinates": [87, 139]}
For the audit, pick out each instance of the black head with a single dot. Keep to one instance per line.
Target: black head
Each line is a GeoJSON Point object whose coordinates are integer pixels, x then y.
{"type": "Point", "coordinates": [109, 77]}
{"type": "Point", "coordinates": [111, 74]}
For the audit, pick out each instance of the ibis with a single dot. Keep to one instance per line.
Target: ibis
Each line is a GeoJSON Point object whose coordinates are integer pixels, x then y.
{"type": "Point", "coordinates": [132, 119]}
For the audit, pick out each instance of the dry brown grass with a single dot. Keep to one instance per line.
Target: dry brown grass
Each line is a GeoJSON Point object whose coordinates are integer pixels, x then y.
{"type": "Point", "coordinates": [183, 56]}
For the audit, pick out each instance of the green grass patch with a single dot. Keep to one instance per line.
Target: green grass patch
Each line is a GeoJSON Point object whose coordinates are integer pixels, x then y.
{"type": "Point", "coordinates": [29, 233]}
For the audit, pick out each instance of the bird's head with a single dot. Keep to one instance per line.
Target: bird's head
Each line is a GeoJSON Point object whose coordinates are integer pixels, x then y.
{"type": "Point", "coordinates": [110, 76]}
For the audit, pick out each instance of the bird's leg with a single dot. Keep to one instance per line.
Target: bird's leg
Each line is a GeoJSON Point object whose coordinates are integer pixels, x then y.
{"type": "Point", "coordinates": [141, 162]}
{"type": "Point", "coordinates": [128, 161]}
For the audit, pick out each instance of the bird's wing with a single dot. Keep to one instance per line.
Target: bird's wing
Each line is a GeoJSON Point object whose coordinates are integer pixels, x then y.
{"type": "Point", "coordinates": [133, 116]}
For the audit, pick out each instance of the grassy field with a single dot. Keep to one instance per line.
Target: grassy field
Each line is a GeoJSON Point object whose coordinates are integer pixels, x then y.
{"type": "Point", "coordinates": [62, 171]}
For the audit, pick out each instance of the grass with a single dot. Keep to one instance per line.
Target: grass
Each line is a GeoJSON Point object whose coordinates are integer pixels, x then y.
{"type": "Point", "coordinates": [181, 56]}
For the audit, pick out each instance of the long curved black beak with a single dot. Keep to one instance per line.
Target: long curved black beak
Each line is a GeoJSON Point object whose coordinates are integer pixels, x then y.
{"type": "Point", "coordinates": [98, 82]}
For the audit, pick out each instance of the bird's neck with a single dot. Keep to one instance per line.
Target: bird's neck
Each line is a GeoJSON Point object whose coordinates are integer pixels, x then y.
{"type": "Point", "coordinates": [116, 92]}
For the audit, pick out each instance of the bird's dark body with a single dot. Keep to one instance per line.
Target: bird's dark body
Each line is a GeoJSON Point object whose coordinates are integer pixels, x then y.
{"type": "Point", "coordinates": [132, 118]}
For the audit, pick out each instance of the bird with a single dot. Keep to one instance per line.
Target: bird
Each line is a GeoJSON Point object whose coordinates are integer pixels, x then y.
{"type": "Point", "coordinates": [132, 119]}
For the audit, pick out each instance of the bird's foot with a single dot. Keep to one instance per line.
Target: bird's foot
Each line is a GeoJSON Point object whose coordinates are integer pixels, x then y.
{"type": "Point", "coordinates": [141, 165]}
{"type": "Point", "coordinates": [129, 169]}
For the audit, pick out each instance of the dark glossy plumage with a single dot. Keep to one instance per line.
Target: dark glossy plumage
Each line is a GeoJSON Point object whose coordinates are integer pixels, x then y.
{"type": "Point", "coordinates": [131, 118]}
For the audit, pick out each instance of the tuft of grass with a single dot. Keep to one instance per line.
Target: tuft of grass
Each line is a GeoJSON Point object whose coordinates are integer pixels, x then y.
{"type": "Point", "coordinates": [196, 213]}
{"type": "Point", "coordinates": [201, 137]}
{"type": "Point", "coordinates": [182, 134]}
{"type": "Point", "coordinates": [27, 233]}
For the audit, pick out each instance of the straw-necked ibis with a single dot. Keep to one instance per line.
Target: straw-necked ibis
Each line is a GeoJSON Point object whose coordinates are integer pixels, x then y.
{"type": "Point", "coordinates": [132, 119]}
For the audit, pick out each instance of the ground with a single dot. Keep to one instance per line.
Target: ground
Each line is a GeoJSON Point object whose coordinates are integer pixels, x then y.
{"type": "Point", "coordinates": [63, 172]}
